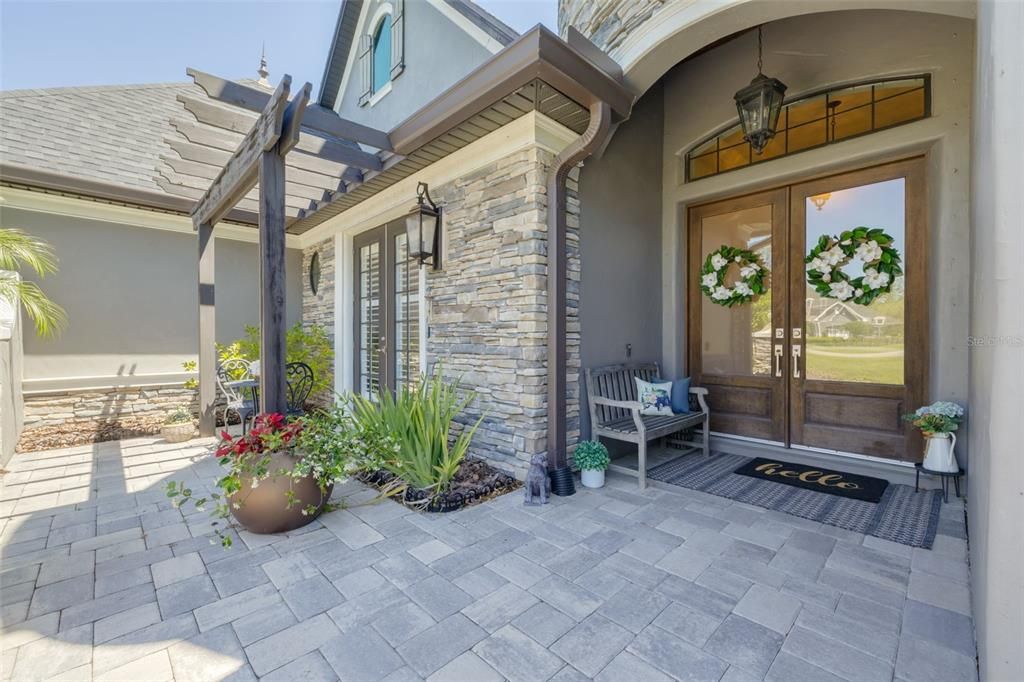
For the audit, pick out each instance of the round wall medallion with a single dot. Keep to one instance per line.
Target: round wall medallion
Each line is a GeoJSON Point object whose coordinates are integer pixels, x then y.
{"type": "Point", "coordinates": [314, 272]}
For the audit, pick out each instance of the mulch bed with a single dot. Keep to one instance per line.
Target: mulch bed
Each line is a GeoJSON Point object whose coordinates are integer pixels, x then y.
{"type": "Point", "coordinates": [475, 482]}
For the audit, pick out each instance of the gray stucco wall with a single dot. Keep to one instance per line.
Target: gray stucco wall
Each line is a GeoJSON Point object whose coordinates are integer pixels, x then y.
{"type": "Point", "coordinates": [620, 242]}
{"type": "Point", "coordinates": [437, 55]}
{"type": "Point", "coordinates": [130, 294]}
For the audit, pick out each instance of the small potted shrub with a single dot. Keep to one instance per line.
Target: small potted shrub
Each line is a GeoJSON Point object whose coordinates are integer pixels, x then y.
{"type": "Point", "coordinates": [592, 459]}
{"type": "Point", "coordinates": [280, 474]}
{"type": "Point", "coordinates": [179, 426]}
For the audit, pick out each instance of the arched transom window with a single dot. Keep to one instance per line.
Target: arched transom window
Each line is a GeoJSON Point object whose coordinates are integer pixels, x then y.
{"type": "Point", "coordinates": [815, 120]}
{"type": "Point", "coordinates": [381, 67]}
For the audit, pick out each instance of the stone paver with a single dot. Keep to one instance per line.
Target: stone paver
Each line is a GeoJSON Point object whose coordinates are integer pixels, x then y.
{"type": "Point", "coordinates": [104, 579]}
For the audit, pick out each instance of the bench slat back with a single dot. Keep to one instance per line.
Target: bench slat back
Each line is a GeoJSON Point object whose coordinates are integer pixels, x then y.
{"type": "Point", "coordinates": [617, 382]}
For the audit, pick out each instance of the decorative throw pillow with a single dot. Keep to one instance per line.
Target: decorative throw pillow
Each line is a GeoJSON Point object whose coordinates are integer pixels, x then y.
{"type": "Point", "coordinates": [655, 398]}
{"type": "Point", "coordinates": [680, 395]}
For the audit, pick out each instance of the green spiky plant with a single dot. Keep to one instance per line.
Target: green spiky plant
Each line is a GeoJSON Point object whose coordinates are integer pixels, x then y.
{"type": "Point", "coordinates": [418, 420]}
{"type": "Point", "coordinates": [20, 250]}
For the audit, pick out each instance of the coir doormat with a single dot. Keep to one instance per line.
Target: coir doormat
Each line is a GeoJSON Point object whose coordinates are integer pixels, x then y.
{"type": "Point", "coordinates": [864, 488]}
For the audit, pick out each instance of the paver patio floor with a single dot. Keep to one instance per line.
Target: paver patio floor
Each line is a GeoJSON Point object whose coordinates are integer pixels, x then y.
{"type": "Point", "coordinates": [103, 579]}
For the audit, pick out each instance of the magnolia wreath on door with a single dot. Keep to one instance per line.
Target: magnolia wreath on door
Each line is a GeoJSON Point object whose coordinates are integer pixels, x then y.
{"type": "Point", "coordinates": [872, 246]}
{"type": "Point", "coordinates": [753, 276]}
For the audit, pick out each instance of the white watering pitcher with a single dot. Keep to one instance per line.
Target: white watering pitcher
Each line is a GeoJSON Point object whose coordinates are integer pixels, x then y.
{"type": "Point", "coordinates": [938, 453]}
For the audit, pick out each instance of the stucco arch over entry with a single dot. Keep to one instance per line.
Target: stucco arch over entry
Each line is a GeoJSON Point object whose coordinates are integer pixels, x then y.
{"type": "Point", "coordinates": [661, 37]}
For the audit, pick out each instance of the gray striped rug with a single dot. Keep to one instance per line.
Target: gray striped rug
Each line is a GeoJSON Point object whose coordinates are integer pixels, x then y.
{"type": "Point", "coordinates": [901, 515]}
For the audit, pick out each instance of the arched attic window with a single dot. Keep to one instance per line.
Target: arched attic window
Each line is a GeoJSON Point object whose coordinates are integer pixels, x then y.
{"type": "Point", "coordinates": [381, 65]}
{"type": "Point", "coordinates": [382, 51]}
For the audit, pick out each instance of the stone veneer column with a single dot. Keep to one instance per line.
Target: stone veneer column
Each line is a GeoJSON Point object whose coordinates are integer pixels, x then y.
{"type": "Point", "coordinates": [487, 307]}
{"type": "Point", "coordinates": [318, 308]}
{"type": "Point", "coordinates": [607, 23]}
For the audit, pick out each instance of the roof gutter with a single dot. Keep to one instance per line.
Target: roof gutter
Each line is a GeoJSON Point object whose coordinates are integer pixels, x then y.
{"type": "Point", "coordinates": [537, 54]}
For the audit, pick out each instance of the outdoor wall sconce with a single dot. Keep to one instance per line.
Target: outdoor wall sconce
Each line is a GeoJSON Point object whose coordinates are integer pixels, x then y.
{"type": "Point", "coordinates": [759, 105]}
{"type": "Point", "coordinates": [423, 229]}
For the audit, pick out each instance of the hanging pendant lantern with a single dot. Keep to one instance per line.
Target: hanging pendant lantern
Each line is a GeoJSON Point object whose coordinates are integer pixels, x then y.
{"type": "Point", "coordinates": [759, 105]}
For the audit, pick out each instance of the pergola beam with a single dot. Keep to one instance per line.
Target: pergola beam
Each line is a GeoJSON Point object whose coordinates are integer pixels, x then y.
{"type": "Point", "coordinates": [317, 117]}
{"type": "Point", "coordinates": [240, 173]}
{"type": "Point", "coordinates": [206, 145]}
{"type": "Point", "coordinates": [235, 121]}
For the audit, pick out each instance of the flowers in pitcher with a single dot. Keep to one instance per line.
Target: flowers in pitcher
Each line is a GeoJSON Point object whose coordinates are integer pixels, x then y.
{"type": "Point", "coordinates": [938, 418]}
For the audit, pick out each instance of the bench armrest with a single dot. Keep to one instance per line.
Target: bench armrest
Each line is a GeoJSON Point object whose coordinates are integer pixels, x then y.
{"type": "Point", "coordinates": [623, 404]}
{"type": "Point", "coordinates": [700, 392]}
{"type": "Point", "coordinates": [632, 405]}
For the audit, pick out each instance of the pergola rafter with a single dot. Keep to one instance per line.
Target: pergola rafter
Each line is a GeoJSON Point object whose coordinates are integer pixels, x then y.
{"type": "Point", "coordinates": [231, 152]}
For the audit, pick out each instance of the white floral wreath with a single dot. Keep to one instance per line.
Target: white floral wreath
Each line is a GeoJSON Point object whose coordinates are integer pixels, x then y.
{"type": "Point", "coordinates": [872, 246]}
{"type": "Point", "coordinates": [753, 276]}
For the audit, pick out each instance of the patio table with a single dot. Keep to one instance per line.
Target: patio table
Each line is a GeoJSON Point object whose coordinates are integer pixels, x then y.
{"type": "Point", "coordinates": [254, 387]}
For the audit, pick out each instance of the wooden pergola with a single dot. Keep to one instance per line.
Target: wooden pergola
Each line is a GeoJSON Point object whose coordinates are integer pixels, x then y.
{"type": "Point", "coordinates": [234, 161]}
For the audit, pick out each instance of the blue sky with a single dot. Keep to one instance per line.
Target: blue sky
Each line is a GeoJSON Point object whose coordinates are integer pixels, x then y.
{"type": "Point", "coordinates": [47, 44]}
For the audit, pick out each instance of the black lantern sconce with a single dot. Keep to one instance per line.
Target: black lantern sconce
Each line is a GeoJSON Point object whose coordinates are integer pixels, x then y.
{"type": "Point", "coordinates": [423, 229]}
{"type": "Point", "coordinates": [759, 105]}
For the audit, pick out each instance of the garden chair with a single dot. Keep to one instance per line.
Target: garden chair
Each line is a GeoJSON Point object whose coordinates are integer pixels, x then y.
{"type": "Point", "coordinates": [299, 376]}
{"type": "Point", "coordinates": [228, 373]}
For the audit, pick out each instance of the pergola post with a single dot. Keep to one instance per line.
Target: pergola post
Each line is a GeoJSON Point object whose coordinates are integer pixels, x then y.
{"type": "Point", "coordinates": [273, 386]}
{"type": "Point", "coordinates": [207, 332]}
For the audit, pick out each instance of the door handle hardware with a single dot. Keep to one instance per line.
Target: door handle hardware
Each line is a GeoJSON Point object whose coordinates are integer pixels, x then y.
{"type": "Point", "coordinates": [797, 333]}
{"type": "Point", "coordinates": [778, 360]}
{"type": "Point", "coordinates": [796, 361]}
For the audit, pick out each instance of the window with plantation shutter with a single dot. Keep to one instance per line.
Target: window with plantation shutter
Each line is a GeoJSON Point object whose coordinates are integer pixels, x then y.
{"type": "Point", "coordinates": [398, 39]}
{"type": "Point", "coordinates": [365, 69]}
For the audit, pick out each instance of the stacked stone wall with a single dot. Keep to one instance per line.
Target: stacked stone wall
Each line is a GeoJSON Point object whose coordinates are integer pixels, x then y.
{"type": "Point", "coordinates": [318, 308]}
{"type": "Point", "coordinates": [63, 419]}
{"type": "Point", "coordinates": [487, 308]}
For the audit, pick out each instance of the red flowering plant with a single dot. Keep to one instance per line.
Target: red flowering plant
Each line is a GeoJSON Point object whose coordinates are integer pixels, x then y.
{"type": "Point", "coordinates": [248, 460]}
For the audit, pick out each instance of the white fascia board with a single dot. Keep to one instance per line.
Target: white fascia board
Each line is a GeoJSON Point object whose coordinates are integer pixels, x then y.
{"type": "Point", "coordinates": [72, 207]}
{"type": "Point", "coordinates": [350, 60]}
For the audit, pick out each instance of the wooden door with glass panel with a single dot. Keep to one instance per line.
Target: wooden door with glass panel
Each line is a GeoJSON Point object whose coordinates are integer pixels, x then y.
{"type": "Point", "coordinates": [859, 357]}
{"type": "Point", "coordinates": [736, 352]}
{"type": "Point", "coordinates": [386, 311]}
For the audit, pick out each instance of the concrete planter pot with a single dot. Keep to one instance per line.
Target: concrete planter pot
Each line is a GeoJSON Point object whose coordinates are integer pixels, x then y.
{"type": "Point", "coordinates": [264, 509]}
{"type": "Point", "coordinates": [592, 478]}
{"type": "Point", "coordinates": [177, 433]}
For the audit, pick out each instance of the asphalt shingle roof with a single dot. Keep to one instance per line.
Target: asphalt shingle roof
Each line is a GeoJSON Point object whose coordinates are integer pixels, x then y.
{"type": "Point", "coordinates": [110, 133]}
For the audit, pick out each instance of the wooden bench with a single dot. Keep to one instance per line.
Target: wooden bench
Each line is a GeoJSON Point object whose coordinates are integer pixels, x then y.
{"type": "Point", "coordinates": [615, 412]}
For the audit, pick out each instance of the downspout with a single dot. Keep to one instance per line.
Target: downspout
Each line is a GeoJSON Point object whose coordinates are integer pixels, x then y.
{"type": "Point", "coordinates": [592, 139]}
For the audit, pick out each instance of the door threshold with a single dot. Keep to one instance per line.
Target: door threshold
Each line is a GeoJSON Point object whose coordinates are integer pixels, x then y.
{"type": "Point", "coordinates": [865, 465]}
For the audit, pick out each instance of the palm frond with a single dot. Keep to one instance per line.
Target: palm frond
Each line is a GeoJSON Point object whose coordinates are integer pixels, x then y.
{"type": "Point", "coordinates": [48, 317]}
{"type": "Point", "coordinates": [19, 249]}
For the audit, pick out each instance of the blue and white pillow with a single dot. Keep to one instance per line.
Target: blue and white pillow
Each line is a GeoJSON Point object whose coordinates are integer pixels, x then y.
{"type": "Point", "coordinates": [655, 398]}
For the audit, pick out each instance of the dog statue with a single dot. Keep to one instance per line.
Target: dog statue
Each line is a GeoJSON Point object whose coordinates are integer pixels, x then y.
{"type": "Point", "coordinates": [537, 481]}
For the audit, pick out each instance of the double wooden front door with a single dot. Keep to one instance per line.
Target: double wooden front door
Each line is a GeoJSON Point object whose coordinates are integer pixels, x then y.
{"type": "Point", "coordinates": [803, 369]}
{"type": "Point", "coordinates": [386, 308]}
